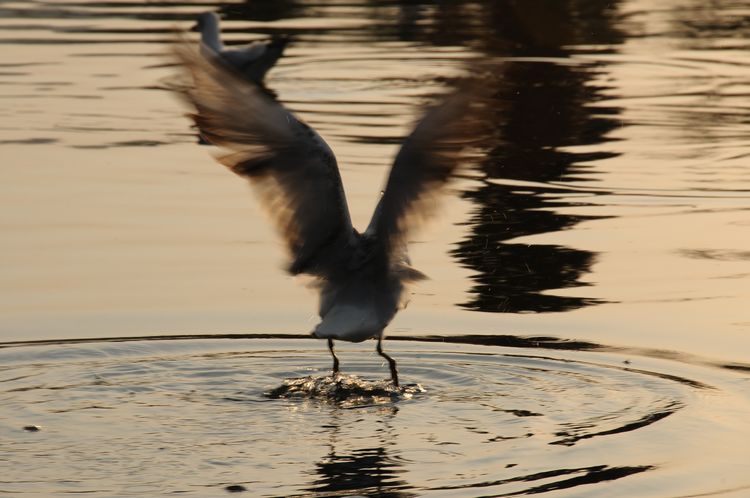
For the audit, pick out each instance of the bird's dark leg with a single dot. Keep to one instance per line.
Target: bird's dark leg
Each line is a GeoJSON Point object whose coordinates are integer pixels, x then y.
{"type": "Point", "coordinates": [335, 358]}
{"type": "Point", "coordinates": [391, 362]}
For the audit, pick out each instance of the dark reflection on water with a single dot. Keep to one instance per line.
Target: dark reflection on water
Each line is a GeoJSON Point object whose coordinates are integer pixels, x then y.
{"type": "Point", "coordinates": [367, 471]}
{"type": "Point", "coordinates": [540, 108]}
{"type": "Point", "coordinates": [586, 475]}
{"type": "Point", "coordinates": [572, 436]}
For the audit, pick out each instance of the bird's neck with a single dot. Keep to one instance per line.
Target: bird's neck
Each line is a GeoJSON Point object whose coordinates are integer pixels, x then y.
{"type": "Point", "coordinates": [210, 37]}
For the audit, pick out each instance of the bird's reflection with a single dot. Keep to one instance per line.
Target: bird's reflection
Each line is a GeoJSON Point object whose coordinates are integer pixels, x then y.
{"type": "Point", "coordinates": [366, 472]}
{"type": "Point", "coordinates": [374, 470]}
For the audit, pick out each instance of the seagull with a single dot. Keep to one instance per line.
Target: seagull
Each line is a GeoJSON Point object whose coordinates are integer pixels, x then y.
{"type": "Point", "coordinates": [253, 60]}
{"type": "Point", "coordinates": [361, 277]}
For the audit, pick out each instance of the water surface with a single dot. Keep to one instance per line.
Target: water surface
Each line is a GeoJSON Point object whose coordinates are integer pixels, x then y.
{"type": "Point", "coordinates": [200, 417]}
{"type": "Point", "coordinates": [608, 211]}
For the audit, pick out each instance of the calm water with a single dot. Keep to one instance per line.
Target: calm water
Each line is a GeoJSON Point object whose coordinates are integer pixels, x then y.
{"type": "Point", "coordinates": [587, 312]}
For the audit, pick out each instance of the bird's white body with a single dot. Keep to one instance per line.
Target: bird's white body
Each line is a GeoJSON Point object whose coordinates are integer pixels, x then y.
{"type": "Point", "coordinates": [360, 306]}
{"type": "Point", "coordinates": [350, 322]}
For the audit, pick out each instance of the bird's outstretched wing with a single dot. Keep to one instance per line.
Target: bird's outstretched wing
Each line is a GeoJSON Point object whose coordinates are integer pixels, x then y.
{"type": "Point", "coordinates": [291, 167]}
{"type": "Point", "coordinates": [428, 158]}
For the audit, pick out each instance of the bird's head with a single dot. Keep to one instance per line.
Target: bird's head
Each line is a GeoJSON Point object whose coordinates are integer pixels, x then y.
{"type": "Point", "coordinates": [204, 20]}
{"type": "Point", "coordinates": [279, 41]}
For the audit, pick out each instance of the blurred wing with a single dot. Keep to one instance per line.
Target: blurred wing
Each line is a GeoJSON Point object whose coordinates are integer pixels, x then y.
{"type": "Point", "coordinates": [271, 52]}
{"type": "Point", "coordinates": [292, 168]}
{"type": "Point", "coordinates": [426, 161]}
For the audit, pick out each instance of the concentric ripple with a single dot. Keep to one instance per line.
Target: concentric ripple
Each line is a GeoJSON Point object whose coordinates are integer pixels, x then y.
{"type": "Point", "coordinates": [206, 417]}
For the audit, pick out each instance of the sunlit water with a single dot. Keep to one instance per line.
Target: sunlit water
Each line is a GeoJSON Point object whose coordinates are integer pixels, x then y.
{"type": "Point", "coordinates": [205, 417]}
{"type": "Point", "coordinates": [608, 219]}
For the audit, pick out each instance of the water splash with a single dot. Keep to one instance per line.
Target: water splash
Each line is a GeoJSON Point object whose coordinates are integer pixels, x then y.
{"type": "Point", "coordinates": [344, 390]}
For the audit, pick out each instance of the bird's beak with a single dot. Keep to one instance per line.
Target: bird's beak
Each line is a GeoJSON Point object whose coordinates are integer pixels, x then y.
{"type": "Point", "coordinates": [279, 41]}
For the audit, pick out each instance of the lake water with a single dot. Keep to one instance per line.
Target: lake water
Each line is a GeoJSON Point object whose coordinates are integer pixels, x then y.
{"type": "Point", "coordinates": [585, 331]}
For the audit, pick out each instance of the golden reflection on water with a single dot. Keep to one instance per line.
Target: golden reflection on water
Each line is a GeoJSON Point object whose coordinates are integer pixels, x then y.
{"type": "Point", "coordinates": [115, 222]}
